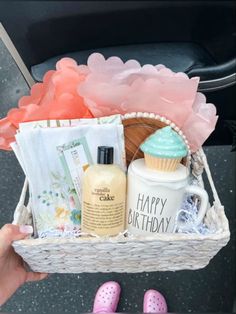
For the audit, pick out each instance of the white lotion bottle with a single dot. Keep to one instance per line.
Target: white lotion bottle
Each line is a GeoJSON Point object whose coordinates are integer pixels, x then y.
{"type": "Point", "coordinates": [104, 196]}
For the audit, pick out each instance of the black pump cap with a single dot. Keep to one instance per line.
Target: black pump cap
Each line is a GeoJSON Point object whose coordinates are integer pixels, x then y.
{"type": "Point", "coordinates": [105, 155]}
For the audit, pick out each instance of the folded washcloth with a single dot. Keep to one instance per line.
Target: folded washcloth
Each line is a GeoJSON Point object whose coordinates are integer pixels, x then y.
{"type": "Point", "coordinates": [54, 160]}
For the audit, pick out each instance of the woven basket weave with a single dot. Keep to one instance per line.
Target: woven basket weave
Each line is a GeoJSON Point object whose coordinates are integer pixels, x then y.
{"type": "Point", "coordinates": [162, 252]}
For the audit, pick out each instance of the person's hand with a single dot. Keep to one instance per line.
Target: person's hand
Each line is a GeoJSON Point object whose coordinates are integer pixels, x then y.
{"type": "Point", "coordinates": [13, 273]}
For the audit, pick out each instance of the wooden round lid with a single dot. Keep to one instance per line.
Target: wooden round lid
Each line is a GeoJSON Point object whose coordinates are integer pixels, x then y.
{"type": "Point", "coordinates": [137, 127]}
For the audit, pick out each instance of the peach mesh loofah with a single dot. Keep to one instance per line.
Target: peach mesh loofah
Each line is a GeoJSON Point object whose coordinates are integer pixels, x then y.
{"type": "Point", "coordinates": [55, 98]}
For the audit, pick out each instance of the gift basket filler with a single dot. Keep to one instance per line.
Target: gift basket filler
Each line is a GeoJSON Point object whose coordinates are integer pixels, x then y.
{"type": "Point", "coordinates": [113, 159]}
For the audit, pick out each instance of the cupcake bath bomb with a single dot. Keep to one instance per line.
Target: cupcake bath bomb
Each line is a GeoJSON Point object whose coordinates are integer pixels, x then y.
{"type": "Point", "coordinates": [164, 150]}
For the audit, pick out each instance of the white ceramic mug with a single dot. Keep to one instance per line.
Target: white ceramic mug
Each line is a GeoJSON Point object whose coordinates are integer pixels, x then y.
{"type": "Point", "coordinates": [155, 197]}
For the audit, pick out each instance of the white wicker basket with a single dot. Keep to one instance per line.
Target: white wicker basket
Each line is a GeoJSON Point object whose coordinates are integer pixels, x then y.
{"type": "Point", "coordinates": [134, 254]}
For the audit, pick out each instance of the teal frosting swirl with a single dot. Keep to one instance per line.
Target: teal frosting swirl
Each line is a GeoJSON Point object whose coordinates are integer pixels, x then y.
{"type": "Point", "coordinates": [164, 143]}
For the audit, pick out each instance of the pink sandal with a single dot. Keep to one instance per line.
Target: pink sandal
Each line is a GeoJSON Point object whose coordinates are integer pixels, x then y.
{"type": "Point", "coordinates": [107, 298]}
{"type": "Point", "coordinates": [154, 302]}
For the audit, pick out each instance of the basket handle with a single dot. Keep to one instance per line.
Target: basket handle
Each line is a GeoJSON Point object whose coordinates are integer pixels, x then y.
{"type": "Point", "coordinates": [22, 213]}
{"type": "Point", "coordinates": [22, 197]}
{"type": "Point", "coordinates": [209, 176]}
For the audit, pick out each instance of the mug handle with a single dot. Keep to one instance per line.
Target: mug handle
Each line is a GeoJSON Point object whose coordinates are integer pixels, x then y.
{"type": "Point", "coordinates": [194, 189]}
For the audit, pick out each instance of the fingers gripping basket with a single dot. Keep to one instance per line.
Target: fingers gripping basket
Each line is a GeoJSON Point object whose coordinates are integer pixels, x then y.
{"type": "Point", "coordinates": [161, 252]}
